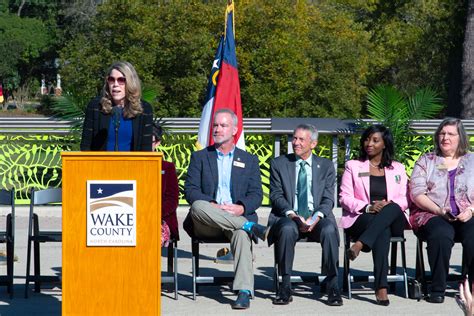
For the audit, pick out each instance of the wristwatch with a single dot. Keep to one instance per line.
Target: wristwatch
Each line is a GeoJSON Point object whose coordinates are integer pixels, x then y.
{"type": "Point", "coordinates": [367, 208]}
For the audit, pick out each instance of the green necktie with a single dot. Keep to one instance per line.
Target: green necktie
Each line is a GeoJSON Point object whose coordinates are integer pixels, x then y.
{"type": "Point", "coordinates": [302, 191]}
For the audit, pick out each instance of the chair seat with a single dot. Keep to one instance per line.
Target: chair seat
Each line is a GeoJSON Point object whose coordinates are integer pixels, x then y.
{"type": "Point", "coordinates": [48, 236]}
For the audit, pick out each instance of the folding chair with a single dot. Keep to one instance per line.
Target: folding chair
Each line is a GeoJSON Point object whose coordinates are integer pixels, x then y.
{"type": "Point", "coordinates": [172, 270]}
{"type": "Point", "coordinates": [205, 280]}
{"type": "Point", "coordinates": [7, 236]}
{"type": "Point", "coordinates": [421, 275]}
{"type": "Point", "coordinates": [392, 277]}
{"type": "Point", "coordinates": [297, 279]}
{"type": "Point", "coordinates": [37, 236]}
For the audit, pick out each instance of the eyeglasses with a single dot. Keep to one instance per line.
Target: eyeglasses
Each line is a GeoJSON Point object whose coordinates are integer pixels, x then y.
{"type": "Point", "coordinates": [120, 80]}
{"type": "Point", "coordinates": [444, 135]}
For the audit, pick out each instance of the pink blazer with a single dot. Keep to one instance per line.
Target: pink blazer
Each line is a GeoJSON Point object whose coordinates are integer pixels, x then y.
{"type": "Point", "coordinates": [355, 191]}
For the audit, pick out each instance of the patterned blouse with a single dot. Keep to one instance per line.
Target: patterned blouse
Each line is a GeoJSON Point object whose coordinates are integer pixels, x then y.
{"type": "Point", "coordinates": [430, 176]}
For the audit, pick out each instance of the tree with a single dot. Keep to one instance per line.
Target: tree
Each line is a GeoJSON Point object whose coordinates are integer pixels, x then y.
{"type": "Point", "coordinates": [23, 41]}
{"type": "Point", "coordinates": [415, 43]}
{"type": "Point", "coordinates": [294, 60]}
{"type": "Point", "coordinates": [467, 92]}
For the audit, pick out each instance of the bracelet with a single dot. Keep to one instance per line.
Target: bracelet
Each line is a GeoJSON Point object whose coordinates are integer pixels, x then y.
{"type": "Point", "coordinates": [367, 208]}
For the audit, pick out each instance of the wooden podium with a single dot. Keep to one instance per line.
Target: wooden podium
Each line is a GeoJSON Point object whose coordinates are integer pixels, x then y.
{"type": "Point", "coordinates": [111, 280]}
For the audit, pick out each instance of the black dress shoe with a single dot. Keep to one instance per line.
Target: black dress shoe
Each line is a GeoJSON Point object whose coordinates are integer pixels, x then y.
{"type": "Point", "coordinates": [334, 297]}
{"type": "Point", "coordinates": [242, 301]}
{"type": "Point", "coordinates": [383, 302]}
{"type": "Point", "coordinates": [283, 297]}
{"type": "Point", "coordinates": [259, 231]}
{"type": "Point", "coordinates": [437, 299]}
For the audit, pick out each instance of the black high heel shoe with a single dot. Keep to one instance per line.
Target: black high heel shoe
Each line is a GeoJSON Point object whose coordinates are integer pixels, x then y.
{"type": "Point", "coordinates": [382, 302]}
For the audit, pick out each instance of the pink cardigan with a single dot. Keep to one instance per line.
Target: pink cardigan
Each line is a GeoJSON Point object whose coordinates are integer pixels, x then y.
{"type": "Point", "coordinates": [355, 192]}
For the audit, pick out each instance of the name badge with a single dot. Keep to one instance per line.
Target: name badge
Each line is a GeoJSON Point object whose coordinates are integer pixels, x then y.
{"type": "Point", "coordinates": [239, 164]}
{"type": "Point", "coordinates": [364, 174]}
{"type": "Point", "coordinates": [441, 167]}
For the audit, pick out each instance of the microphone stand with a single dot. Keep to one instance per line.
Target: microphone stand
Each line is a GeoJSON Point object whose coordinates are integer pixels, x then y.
{"type": "Point", "coordinates": [117, 114]}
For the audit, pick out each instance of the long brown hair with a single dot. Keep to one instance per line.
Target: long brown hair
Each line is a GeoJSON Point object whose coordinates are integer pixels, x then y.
{"type": "Point", "coordinates": [133, 91]}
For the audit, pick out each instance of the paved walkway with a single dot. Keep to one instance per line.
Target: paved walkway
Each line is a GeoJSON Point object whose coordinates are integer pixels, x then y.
{"type": "Point", "coordinates": [213, 300]}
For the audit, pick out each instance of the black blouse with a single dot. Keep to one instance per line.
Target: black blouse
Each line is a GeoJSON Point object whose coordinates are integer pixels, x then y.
{"type": "Point", "coordinates": [378, 188]}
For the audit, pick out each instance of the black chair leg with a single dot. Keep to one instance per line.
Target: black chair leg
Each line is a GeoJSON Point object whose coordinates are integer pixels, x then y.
{"type": "Point", "coordinates": [10, 255]}
{"type": "Point", "coordinates": [404, 265]}
{"type": "Point", "coordinates": [36, 260]}
{"type": "Point", "coordinates": [36, 253]}
{"type": "Point", "coordinates": [276, 275]}
{"type": "Point", "coordinates": [170, 257]}
{"type": "Point", "coordinates": [195, 256]}
{"type": "Point", "coordinates": [393, 264]}
{"type": "Point", "coordinates": [345, 281]}
{"type": "Point", "coordinates": [420, 266]}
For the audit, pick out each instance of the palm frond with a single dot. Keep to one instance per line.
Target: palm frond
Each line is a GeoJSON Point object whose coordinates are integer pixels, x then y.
{"type": "Point", "coordinates": [386, 104]}
{"type": "Point", "coordinates": [69, 108]}
{"type": "Point", "coordinates": [149, 94]}
{"type": "Point", "coordinates": [424, 104]}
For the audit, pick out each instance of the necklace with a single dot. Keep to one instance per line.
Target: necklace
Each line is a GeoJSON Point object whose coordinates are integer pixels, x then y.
{"type": "Point", "coordinates": [376, 167]}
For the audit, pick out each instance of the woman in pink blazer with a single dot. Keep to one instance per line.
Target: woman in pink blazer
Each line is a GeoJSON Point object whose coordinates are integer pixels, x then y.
{"type": "Point", "coordinates": [373, 197]}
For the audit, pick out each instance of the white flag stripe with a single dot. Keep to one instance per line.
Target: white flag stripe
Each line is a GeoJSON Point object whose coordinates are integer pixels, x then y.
{"type": "Point", "coordinates": [204, 124]}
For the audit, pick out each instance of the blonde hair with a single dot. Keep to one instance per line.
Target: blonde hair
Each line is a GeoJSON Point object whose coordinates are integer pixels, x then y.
{"type": "Point", "coordinates": [133, 90]}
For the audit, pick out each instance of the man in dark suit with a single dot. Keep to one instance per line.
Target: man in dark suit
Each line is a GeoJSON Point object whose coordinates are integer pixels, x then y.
{"type": "Point", "coordinates": [223, 187]}
{"type": "Point", "coordinates": [302, 198]}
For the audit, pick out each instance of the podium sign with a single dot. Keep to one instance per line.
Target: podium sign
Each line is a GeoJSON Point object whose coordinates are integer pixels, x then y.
{"type": "Point", "coordinates": [111, 213]}
{"type": "Point", "coordinates": [111, 244]}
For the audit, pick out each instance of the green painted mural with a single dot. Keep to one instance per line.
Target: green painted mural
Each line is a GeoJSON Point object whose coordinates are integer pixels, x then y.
{"type": "Point", "coordinates": [34, 161]}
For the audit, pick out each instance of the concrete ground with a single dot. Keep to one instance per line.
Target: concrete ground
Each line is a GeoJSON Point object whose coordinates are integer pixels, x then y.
{"type": "Point", "coordinates": [214, 300]}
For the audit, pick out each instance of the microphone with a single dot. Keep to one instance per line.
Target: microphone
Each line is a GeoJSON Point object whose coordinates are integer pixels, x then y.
{"type": "Point", "coordinates": [117, 112]}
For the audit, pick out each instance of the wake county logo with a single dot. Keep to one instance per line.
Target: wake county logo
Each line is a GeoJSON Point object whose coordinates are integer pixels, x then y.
{"type": "Point", "coordinates": [111, 213]}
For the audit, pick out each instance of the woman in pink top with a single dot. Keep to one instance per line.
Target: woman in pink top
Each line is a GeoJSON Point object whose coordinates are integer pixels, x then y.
{"type": "Point", "coordinates": [373, 197]}
{"type": "Point", "coordinates": [442, 192]}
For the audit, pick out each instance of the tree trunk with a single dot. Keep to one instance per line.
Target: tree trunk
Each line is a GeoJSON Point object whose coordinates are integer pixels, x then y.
{"type": "Point", "coordinates": [467, 92]}
{"type": "Point", "coordinates": [21, 7]}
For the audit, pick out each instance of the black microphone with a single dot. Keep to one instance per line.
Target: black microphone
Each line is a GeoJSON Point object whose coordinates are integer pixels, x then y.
{"type": "Point", "coordinates": [117, 112]}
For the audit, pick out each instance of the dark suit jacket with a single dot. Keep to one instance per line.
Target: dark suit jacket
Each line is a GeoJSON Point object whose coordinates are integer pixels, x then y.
{"type": "Point", "coordinates": [203, 179]}
{"type": "Point", "coordinates": [170, 197]}
{"type": "Point", "coordinates": [96, 126]}
{"type": "Point", "coordinates": [283, 186]}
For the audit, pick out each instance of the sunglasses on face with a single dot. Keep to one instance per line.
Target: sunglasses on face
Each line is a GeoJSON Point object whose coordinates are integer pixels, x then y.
{"type": "Point", "coordinates": [120, 80]}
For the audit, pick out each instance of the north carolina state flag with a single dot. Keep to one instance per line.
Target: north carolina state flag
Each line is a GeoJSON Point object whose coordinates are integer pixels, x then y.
{"type": "Point", "coordinates": [227, 92]}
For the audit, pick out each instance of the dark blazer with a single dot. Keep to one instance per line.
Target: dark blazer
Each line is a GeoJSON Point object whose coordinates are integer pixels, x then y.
{"type": "Point", "coordinates": [203, 179]}
{"type": "Point", "coordinates": [170, 197]}
{"type": "Point", "coordinates": [283, 186]}
{"type": "Point", "coordinates": [96, 126]}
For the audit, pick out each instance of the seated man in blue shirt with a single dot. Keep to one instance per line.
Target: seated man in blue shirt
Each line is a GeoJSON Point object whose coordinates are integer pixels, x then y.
{"type": "Point", "coordinates": [223, 187]}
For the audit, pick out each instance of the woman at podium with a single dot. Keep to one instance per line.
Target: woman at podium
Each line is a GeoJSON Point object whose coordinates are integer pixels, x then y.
{"type": "Point", "coordinates": [169, 194]}
{"type": "Point", "coordinates": [118, 120]}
